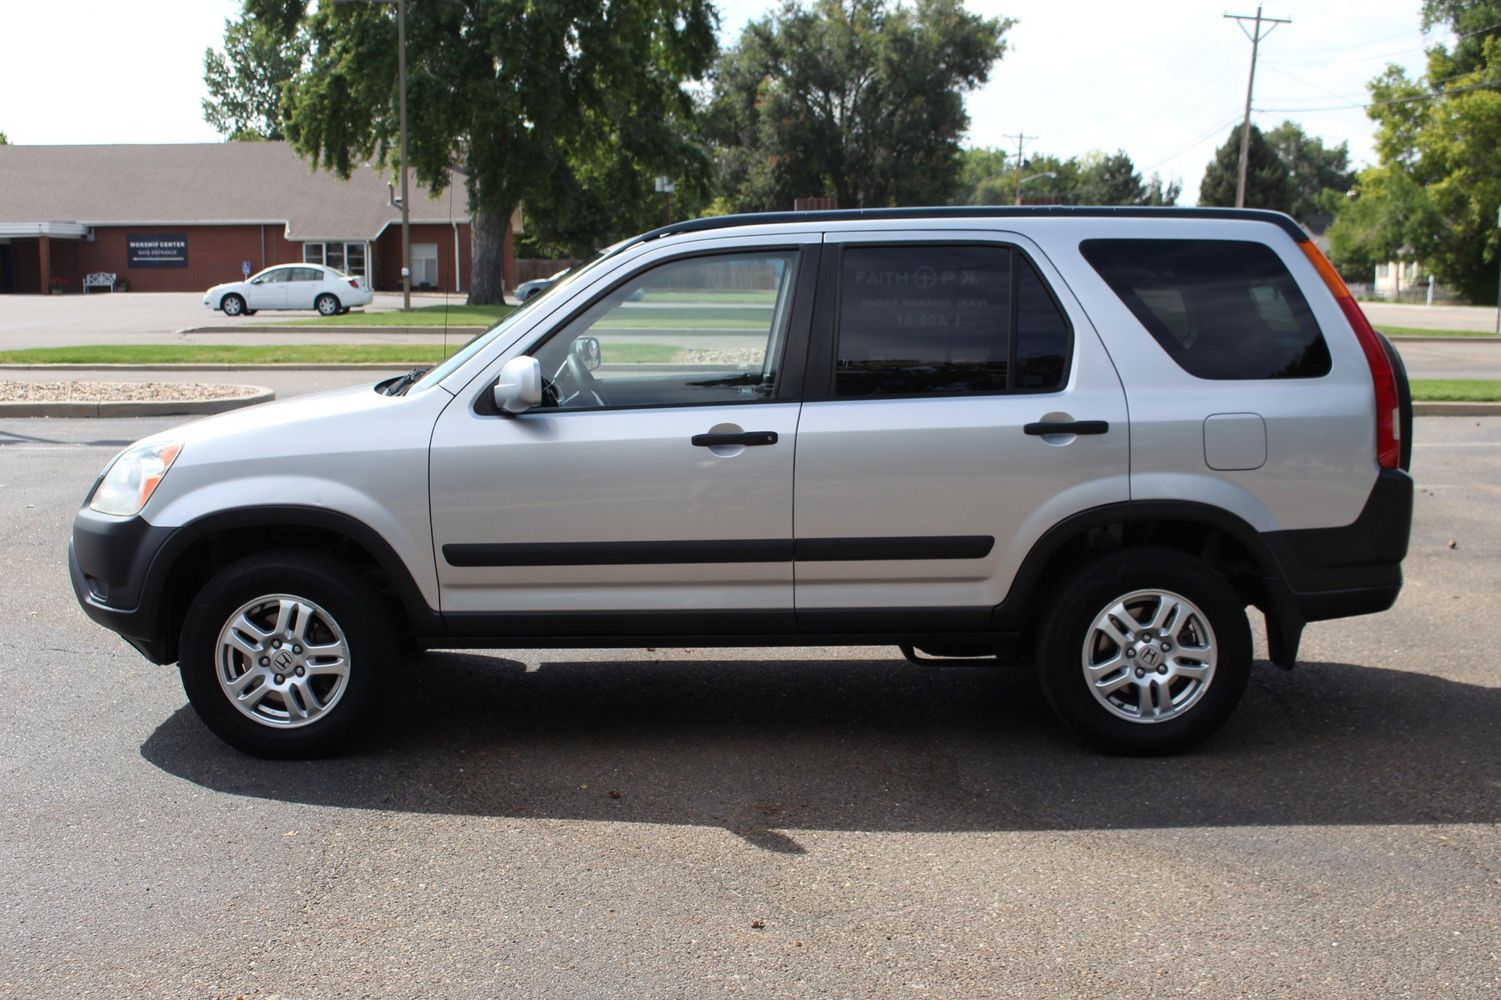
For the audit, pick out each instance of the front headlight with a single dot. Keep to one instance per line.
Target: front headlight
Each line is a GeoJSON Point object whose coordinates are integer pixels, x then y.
{"type": "Point", "coordinates": [131, 479]}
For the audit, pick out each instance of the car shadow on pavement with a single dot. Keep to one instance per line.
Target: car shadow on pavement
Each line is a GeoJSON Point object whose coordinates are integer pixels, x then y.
{"type": "Point", "coordinates": [764, 748]}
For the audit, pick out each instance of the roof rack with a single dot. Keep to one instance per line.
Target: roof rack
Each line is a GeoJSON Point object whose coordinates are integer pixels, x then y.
{"type": "Point", "coordinates": [1279, 219]}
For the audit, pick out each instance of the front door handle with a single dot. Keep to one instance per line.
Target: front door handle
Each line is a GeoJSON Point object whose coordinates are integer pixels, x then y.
{"type": "Point", "coordinates": [1066, 427]}
{"type": "Point", "coordinates": [748, 438]}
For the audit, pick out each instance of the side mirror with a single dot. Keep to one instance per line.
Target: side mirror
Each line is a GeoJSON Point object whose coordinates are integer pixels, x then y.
{"type": "Point", "coordinates": [519, 387]}
{"type": "Point", "coordinates": [587, 349]}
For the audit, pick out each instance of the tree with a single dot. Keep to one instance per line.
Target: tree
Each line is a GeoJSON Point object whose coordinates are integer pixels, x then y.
{"type": "Point", "coordinates": [1386, 212]}
{"type": "Point", "coordinates": [986, 177]}
{"type": "Point", "coordinates": [245, 80]}
{"type": "Point", "coordinates": [1267, 182]}
{"type": "Point", "coordinates": [849, 98]}
{"type": "Point", "coordinates": [1312, 169]}
{"type": "Point", "coordinates": [3, 140]}
{"type": "Point", "coordinates": [560, 104]}
{"type": "Point", "coordinates": [1438, 187]}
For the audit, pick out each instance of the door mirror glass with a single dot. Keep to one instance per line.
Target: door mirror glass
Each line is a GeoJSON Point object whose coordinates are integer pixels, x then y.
{"type": "Point", "coordinates": [587, 349]}
{"type": "Point", "coordinates": [519, 387]}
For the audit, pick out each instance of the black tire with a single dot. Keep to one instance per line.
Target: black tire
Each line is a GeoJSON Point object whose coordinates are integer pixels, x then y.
{"type": "Point", "coordinates": [327, 304]}
{"type": "Point", "coordinates": [1179, 710]}
{"type": "Point", "coordinates": [233, 305]}
{"type": "Point", "coordinates": [344, 311]}
{"type": "Point", "coordinates": [250, 312]}
{"type": "Point", "coordinates": [335, 591]}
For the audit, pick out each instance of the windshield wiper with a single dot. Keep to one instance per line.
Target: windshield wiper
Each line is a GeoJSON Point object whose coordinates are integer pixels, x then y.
{"type": "Point", "coordinates": [399, 386]}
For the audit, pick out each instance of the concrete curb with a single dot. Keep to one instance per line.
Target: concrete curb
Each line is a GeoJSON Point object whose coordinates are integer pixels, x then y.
{"type": "Point", "coordinates": [1456, 409]}
{"type": "Point", "coordinates": [436, 331]}
{"type": "Point", "coordinates": [132, 407]}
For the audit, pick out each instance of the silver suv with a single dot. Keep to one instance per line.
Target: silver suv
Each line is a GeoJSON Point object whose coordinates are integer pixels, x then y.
{"type": "Point", "coordinates": [1085, 438]}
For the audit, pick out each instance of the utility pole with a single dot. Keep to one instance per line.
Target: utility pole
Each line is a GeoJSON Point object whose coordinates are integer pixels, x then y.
{"type": "Point", "coordinates": [406, 202]}
{"type": "Point", "coordinates": [1255, 35]}
{"type": "Point", "coordinates": [1021, 143]}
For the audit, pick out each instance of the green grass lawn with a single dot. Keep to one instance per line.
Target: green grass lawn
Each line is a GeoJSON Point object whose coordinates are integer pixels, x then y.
{"type": "Point", "coordinates": [1456, 390]}
{"type": "Point", "coordinates": [1423, 390]}
{"type": "Point", "coordinates": [238, 354]}
{"type": "Point", "coordinates": [455, 314]}
{"type": "Point", "coordinates": [1413, 331]}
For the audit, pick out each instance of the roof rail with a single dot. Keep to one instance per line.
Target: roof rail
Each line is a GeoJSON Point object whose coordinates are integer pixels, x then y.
{"type": "Point", "coordinates": [1279, 219]}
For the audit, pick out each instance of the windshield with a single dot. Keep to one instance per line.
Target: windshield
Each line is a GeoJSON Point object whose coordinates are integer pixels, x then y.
{"type": "Point", "coordinates": [483, 340]}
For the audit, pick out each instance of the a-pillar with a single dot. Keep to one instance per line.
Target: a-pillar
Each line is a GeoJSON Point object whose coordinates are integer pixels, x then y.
{"type": "Point", "coordinates": [44, 259]}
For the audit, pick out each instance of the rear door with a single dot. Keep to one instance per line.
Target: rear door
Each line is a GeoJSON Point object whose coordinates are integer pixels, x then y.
{"type": "Point", "coordinates": [304, 286]}
{"type": "Point", "coordinates": [958, 405]}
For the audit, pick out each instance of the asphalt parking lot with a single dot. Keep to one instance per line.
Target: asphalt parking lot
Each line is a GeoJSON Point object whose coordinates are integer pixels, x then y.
{"type": "Point", "coordinates": [800, 823]}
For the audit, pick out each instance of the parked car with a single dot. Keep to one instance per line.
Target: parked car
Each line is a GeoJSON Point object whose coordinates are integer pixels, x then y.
{"type": "Point", "coordinates": [1085, 439]}
{"type": "Point", "coordinates": [290, 286]}
{"type": "Point", "coordinates": [528, 289]}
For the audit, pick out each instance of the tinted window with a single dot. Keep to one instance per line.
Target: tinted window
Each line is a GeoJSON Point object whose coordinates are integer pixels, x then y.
{"type": "Point", "coordinates": [938, 320]}
{"type": "Point", "coordinates": [1221, 309]}
{"type": "Point", "coordinates": [306, 274]}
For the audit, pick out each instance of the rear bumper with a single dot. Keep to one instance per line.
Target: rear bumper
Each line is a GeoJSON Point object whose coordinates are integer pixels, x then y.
{"type": "Point", "coordinates": [1351, 570]}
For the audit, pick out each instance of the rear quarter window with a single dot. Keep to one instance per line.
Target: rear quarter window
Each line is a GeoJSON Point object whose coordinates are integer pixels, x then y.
{"type": "Point", "coordinates": [1221, 309]}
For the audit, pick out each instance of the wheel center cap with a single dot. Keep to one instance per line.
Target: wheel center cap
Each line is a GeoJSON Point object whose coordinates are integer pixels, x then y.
{"type": "Point", "coordinates": [283, 660]}
{"type": "Point", "coordinates": [1150, 656]}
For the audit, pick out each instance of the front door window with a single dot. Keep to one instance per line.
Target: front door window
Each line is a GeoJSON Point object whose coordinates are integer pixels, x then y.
{"type": "Point", "coordinates": [689, 332]}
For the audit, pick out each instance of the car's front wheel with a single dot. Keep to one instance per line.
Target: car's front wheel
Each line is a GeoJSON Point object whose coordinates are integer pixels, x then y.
{"type": "Point", "coordinates": [282, 654]}
{"type": "Point", "coordinates": [232, 304]}
{"type": "Point", "coordinates": [1145, 650]}
{"type": "Point", "coordinates": [326, 304]}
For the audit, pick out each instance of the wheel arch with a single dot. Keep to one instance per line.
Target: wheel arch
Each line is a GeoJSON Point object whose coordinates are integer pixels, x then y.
{"type": "Point", "coordinates": [197, 550]}
{"type": "Point", "coordinates": [1221, 539]}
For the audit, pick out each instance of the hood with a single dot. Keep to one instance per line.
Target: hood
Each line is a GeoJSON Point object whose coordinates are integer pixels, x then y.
{"type": "Point", "coordinates": [284, 425]}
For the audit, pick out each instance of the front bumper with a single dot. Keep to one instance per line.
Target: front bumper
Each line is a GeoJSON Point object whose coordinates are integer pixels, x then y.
{"type": "Point", "coordinates": [108, 561]}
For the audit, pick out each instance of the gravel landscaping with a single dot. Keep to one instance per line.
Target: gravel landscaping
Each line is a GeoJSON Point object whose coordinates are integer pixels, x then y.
{"type": "Point", "coordinates": [73, 391]}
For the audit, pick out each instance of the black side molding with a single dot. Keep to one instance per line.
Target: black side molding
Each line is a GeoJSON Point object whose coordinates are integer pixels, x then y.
{"type": "Point", "coordinates": [1067, 427]}
{"type": "Point", "coordinates": [731, 550]}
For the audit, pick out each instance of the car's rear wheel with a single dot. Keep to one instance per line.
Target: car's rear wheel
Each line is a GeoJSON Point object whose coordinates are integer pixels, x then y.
{"type": "Point", "coordinates": [282, 654]}
{"type": "Point", "coordinates": [1145, 651]}
{"type": "Point", "coordinates": [326, 304]}
{"type": "Point", "coordinates": [232, 304]}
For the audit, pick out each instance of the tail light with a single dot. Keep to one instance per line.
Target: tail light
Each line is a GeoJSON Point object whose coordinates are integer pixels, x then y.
{"type": "Point", "coordinates": [1383, 378]}
{"type": "Point", "coordinates": [354, 282]}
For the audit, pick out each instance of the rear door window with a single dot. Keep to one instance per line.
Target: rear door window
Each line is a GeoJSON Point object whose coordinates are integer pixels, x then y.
{"type": "Point", "coordinates": [1221, 309]}
{"type": "Point", "coordinates": [932, 320]}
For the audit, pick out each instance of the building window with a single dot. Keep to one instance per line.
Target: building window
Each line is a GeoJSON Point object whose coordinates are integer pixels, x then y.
{"type": "Point", "coordinates": [425, 266]}
{"type": "Point", "coordinates": [347, 257]}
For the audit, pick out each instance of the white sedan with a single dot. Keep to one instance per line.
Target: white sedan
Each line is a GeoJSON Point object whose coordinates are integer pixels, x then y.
{"type": "Point", "coordinates": [291, 286]}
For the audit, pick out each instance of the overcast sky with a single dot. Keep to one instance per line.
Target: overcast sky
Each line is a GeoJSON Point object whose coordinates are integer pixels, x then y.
{"type": "Point", "coordinates": [1165, 80]}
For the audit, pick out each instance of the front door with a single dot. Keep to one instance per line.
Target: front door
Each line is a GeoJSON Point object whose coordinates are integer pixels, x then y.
{"type": "Point", "coordinates": [958, 405]}
{"type": "Point", "coordinates": [655, 481]}
{"type": "Point", "coordinates": [268, 290]}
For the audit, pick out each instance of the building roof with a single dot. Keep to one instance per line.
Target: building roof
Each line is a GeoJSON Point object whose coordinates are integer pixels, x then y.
{"type": "Point", "coordinates": [205, 184]}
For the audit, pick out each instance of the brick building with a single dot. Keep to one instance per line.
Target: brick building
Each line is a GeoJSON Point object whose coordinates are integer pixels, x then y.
{"type": "Point", "coordinates": [180, 218]}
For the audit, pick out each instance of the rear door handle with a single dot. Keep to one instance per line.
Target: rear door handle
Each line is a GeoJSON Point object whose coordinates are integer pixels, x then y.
{"type": "Point", "coordinates": [748, 438]}
{"type": "Point", "coordinates": [1067, 427]}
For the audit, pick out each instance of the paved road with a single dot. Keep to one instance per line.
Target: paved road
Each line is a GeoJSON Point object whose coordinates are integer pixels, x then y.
{"type": "Point", "coordinates": [155, 318]}
{"type": "Point", "coordinates": [1431, 317]}
{"type": "Point", "coordinates": [790, 823]}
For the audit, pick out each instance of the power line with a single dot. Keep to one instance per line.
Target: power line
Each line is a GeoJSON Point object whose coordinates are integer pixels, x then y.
{"type": "Point", "coordinates": [1482, 85]}
{"type": "Point", "coordinates": [1021, 144]}
{"type": "Point", "coordinates": [1255, 36]}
